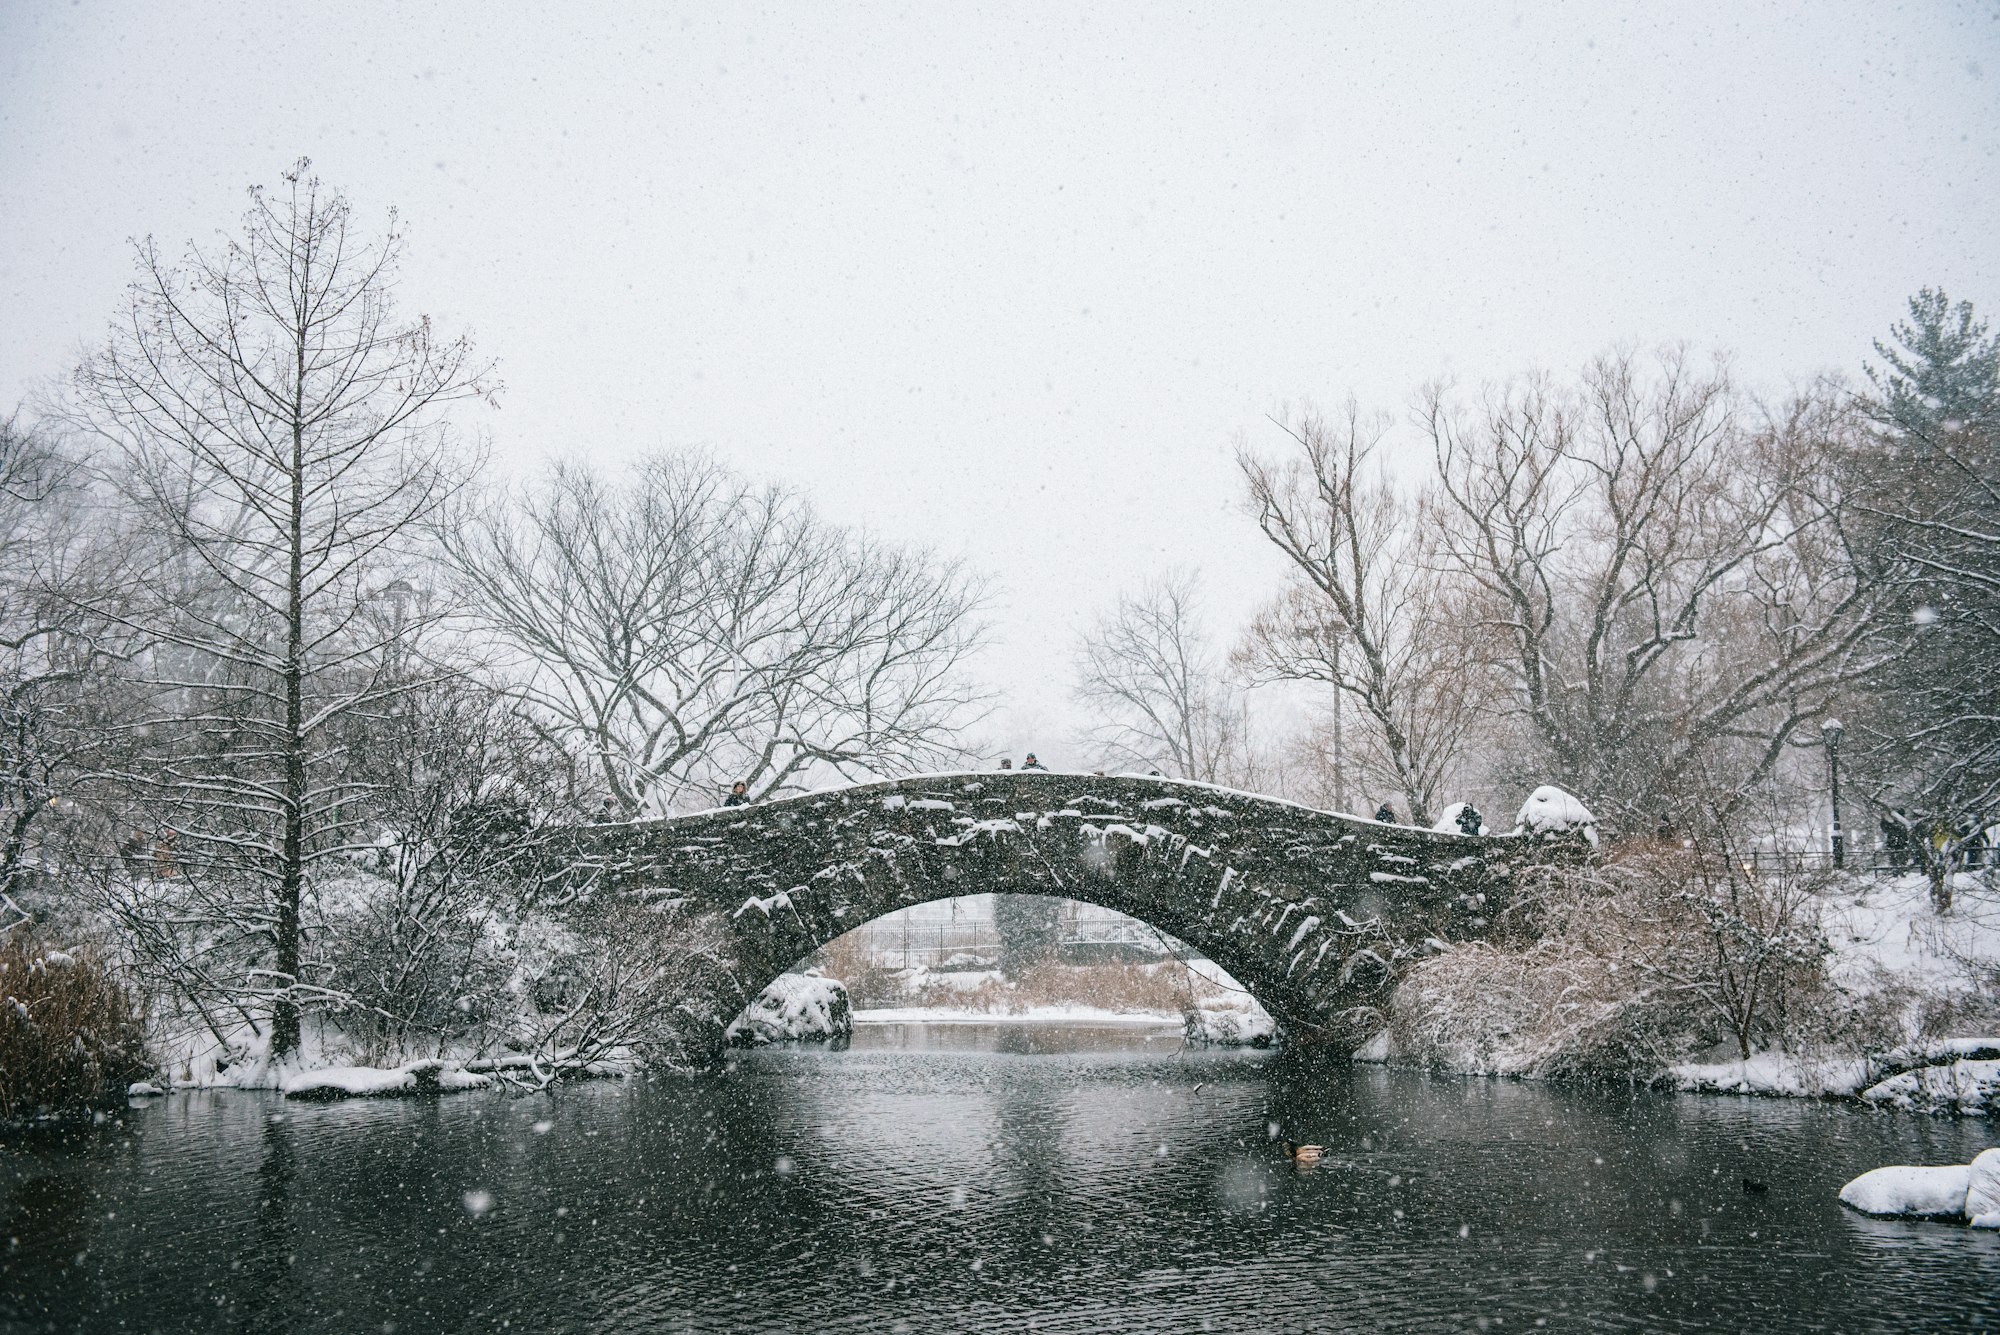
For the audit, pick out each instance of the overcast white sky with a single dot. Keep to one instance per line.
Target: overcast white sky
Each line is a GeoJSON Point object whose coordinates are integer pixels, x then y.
{"type": "Point", "coordinates": [1011, 281]}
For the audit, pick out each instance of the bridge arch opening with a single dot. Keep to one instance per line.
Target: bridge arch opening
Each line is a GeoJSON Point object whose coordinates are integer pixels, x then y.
{"type": "Point", "coordinates": [1008, 958]}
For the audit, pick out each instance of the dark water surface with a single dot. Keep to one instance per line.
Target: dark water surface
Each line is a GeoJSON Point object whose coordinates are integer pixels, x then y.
{"type": "Point", "coordinates": [967, 1178]}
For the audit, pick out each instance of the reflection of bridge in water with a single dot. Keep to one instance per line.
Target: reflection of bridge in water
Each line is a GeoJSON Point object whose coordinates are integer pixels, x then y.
{"type": "Point", "coordinates": [1309, 910]}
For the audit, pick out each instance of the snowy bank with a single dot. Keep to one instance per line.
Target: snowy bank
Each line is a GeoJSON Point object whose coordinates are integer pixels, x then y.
{"type": "Point", "coordinates": [348, 1082]}
{"type": "Point", "coordinates": [796, 1006]}
{"type": "Point", "coordinates": [1965, 1192]}
{"type": "Point", "coordinates": [1776, 1073]}
{"type": "Point", "coordinates": [1963, 1086]}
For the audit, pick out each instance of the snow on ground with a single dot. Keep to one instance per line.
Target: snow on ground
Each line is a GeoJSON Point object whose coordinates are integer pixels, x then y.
{"type": "Point", "coordinates": [1887, 942]}
{"type": "Point", "coordinates": [1885, 930]}
{"type": "Point", "coordinates": [796, 1006]}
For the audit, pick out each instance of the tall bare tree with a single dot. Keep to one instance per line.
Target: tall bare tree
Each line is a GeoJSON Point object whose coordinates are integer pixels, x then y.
{"type": "Point", "coordinates": [1671, 577]}
{"type": "Point", "coordinates": [1156, 687]}
{"type": "Point", "coordinates": [1365, 610]}
{"type": "Point", "coordinates": [280, 427]}
{"type": "Point", "coordinates": [691, 630]}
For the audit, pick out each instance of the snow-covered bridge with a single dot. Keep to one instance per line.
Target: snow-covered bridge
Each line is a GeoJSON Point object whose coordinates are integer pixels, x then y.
{"type": "Point", "coordinates": [1309, 910]}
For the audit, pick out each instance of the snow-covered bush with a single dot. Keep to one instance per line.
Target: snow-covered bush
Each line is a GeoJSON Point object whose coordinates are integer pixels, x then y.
{"type": "Point", "coordinates": [69, 1036]}
{"type": "Point", "coordinates": [1622, 969]}
{"type": "Point", "coordinates": [1551, 813]}
{"type": "Point", "coordinates": [614, 983]}
{"type": "Point", "coordinates": [795, 1006]}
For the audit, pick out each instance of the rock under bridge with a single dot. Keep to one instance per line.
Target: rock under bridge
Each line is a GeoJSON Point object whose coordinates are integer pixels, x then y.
{"type": "Point", "coordinates": [1311, 911]}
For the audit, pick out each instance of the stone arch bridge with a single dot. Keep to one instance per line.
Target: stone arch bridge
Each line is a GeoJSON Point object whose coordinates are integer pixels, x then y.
{"type": "Point", "coordinates": [1311, 911]}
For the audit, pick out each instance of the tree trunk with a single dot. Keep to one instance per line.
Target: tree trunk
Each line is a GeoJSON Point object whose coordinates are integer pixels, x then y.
{"type": "Point", "coordinates": [291, 857]}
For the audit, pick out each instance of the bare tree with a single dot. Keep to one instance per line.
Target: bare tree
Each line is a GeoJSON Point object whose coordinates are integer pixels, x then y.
{"type": "Point", "coordinates": [1667, 580]}
{"type": "Point", "coordinates": [279, 427]}
{"type": "Point", "coordinates": [1157, 688]}
{"type": "Point", "coordinates": [1365, 611]}
{"type": "Point", "coordinates": [691, 631]}
{"type": "Point", "coordinates": [58, 706]}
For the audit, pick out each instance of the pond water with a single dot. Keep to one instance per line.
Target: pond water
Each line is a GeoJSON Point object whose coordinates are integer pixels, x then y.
{"type": "Point", "coordinates": [988, 1178]}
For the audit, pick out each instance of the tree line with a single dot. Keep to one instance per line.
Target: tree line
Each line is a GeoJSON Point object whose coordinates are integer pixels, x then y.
{"type": "Point", "coordinates": [290, 682]}
{"type": "Point", "coordinates": [1642, 582]}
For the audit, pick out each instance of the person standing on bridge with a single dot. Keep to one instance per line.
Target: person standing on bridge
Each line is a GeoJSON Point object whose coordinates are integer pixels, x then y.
{"type": "Point", "coordinates": [1032, 763]}
{"type": "Point", "coordinates": [739, 795]}
{"type": "Point", "coordinates": [1386, 814]}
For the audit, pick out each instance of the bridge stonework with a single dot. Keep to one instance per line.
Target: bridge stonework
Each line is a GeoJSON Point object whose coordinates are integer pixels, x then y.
{"type": "Point", "coordinates": [1311, 911]}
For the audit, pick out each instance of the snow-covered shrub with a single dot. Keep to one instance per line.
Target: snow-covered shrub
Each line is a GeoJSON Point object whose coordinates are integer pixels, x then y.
{"type": "Point", "coordinates": [1551, 813]}
{"type": "Point", "coordinates": [420, 964]}
{"type": "Point", "coordinates": [69, 1035]}
{"type": "Point", "coordinates": [617, 983]}
{"type": "Point", "coordinates": [795, 1006]}
{"type": "Point", "coordinates": [1622, 969]}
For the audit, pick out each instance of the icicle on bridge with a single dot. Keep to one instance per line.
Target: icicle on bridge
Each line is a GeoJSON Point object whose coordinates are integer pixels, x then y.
{"type": "Point", "coordinates": [1311, 911]}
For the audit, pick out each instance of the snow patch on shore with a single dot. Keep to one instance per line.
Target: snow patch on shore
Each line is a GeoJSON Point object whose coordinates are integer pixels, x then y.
{"type": "Point", "coordinates": [1776, 1073]}
{"type": "Point", "coordinates": [1969, 1088]}
{"type": "Point", "coordinates": [431, 1076]}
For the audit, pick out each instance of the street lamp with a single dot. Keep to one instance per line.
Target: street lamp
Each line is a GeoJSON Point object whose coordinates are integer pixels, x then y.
{"type": "Point", "coordinates": [1831, 730]}
{"type": "Point", "coordinates": [1331, 632]}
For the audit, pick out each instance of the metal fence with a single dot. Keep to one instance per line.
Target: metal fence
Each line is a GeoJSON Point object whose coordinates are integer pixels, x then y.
{"type": "Point", "coordinates": [973, 943]}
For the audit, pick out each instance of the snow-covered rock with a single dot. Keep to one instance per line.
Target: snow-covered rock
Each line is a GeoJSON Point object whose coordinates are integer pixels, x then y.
{"type": "Point", "coordinates": [1551, 812]}
{"type": "Point", "coordinates": [348, 1082]}
{"type": "Point", "coordinates": [143, 1089]}
{"type": "Point", "coordinates": [1230, 1021]}
{"type": "Point", "coordinates": [796, 1006]}
{"type": "Point", "coordinates": [1982, 1191]}
{"type": "Point", "coordinates": [1963, 1086]}
{"type": "Point", "coordinates": [1923, 1193]}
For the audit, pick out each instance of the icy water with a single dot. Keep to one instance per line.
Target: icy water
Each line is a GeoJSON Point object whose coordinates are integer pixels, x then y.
{"type": "Point", "coordinates": [992, 1179]}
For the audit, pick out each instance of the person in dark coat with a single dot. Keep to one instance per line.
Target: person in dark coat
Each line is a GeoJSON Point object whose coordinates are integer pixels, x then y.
{"type": "Point", "coordinates": [1469, 819]}
{"type": "Point", "coordinates": [1032, 763]}
{"type": "Point", "coordinates": [1385, 814]}
{"type": "Point", "coordinates": [1896, 843]}
{"type": "Point", "coordinates": [739, 795]}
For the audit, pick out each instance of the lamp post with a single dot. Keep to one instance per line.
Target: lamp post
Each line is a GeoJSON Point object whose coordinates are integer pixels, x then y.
{"type": "Point", "coordinates": [1831, 730]}
{"type": "Point", "coordinates": [1332, 632]}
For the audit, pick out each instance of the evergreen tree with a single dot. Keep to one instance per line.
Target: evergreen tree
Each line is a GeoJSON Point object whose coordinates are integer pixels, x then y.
{"type": "Point", "coordinates": [1931, 740]}
{"type": "Point", "coordinates": [1940, 373]}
